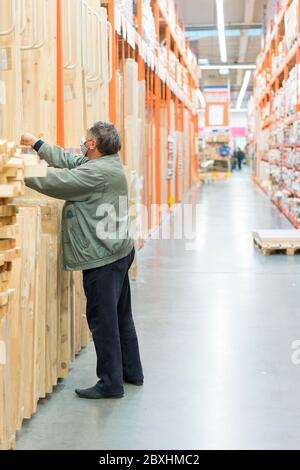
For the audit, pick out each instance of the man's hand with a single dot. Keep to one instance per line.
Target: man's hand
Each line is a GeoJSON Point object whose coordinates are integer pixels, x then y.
{"type": "Point", "coordinates": [28, 139]}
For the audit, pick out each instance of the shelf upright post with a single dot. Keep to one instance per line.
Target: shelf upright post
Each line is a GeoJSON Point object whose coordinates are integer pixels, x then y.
{"type": "Point", "coordinates": [112, 85]}
{"type": "Point", "coordinates": [151, 159]}
{"type": "Point", "coordinates": [148, 143]}
{"type": "Point", "coordinates": [157, 92]}
{"type": "Point", "coordinates": [123, 98]}
{"type": "Point", "coordinates": [60, 121]}
{"type": "Point", "coordinates": [298, 60]}
{"type": "Point", "coordinates": [191, 146]}
{"type": "Point", "coordinates": [139, 10]}
{"type": "Point", "coordinates": [168, 103]}
{"type": "Point", "coordinates": [176, 130]}
{"type": "Point", "coordinates": [286, 76]}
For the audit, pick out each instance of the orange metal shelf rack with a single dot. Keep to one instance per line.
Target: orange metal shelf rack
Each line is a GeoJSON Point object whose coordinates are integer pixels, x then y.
{"type": "Point", "coordinates": [274, 82]}
{"type": "Point", "coordinates": [158, 89]}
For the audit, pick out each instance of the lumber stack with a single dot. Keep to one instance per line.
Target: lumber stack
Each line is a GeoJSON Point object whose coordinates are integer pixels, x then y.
{"type": "Point", "coordinates": [14, 166]}
{"type": "Point", "coordinates": [42, 309]}
{"type": "Point", "coordinates": [10, 71]}
{"type": "Point", "coordinates": [86, 67]}
{"type": "Point", "coordinates": [38, 68]}
{"type": "Point", "coordinates": [135, 148]}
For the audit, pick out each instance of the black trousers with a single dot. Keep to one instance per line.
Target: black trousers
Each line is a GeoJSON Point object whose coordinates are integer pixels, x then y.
{"type": "Point", "coordinates": [109, 317]}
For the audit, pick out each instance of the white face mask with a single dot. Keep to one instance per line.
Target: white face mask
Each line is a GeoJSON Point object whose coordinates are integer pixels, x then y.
{"type": "Point", "coordinates": [83, 147]}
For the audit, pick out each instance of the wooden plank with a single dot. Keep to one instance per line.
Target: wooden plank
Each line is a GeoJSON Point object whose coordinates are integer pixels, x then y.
{"type": "Point", "coordinates": [278, 236]}
{"type": "Point", "coordinates": [29, 239]}
{"type": "Point", "coordinates": [8, 210]}
{"type": "Point", "coordinates": [131, 88]}
{"type": "Point", "coordinates": [49, 320]}
{"type": "Point", "coordinates": [16, 334]}
{"type": "Point", "coordinates": [11, 78]}
{"type": "Point", "coordinates": [41, 315]}
{"type": "Point", "coordinates": [39, 94]}
{"type": "Point", "coordinates": [9, 231]}
{"type": "Point", "coordinates": [72, 339]}
{"type": "Point", "coordinates": [8, 190]}
{"type": "Point", "coordinates": [73, 78]}
{"type": "Point", "coordinates": [64, 325]}
{"type": "Point", "coordinates": [6, 431]}
{"type": "Point", "coordinates": [104, 86]}
{"type": "Point", "coordinates": [51, 226]}
{"type": "Point", "coordinates": [12, 253]}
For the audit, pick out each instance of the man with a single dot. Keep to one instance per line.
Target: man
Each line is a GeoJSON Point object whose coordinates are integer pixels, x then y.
{"type": "Point", "coordinates": [240, 157]}
{"type": "Point", "coordinates": [96, 240]}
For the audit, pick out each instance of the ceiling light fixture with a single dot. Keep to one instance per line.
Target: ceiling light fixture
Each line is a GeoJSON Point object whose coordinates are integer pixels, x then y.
{"type": "Point", "coordinates": [230, 67]}
{"type": "Point", "coordinates": [224, 71]}
{"type": "Point", "coordinates": [221, 30]}
{"type": "Point", "coordinates": [243, 89]}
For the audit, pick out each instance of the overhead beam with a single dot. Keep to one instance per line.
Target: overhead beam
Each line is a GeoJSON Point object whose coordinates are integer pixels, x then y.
{"type": "Point", "coordinates": [248, 17]}
{"type": "Point", "coordinates": [229, 26]}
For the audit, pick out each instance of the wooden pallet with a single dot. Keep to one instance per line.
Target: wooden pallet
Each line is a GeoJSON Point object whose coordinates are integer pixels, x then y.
{"type": "Point", "coordinates": [289, 249]}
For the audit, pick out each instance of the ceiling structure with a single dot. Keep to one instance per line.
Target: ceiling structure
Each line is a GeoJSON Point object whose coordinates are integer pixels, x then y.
{"type": "Point", "coordinates": [243, 33]}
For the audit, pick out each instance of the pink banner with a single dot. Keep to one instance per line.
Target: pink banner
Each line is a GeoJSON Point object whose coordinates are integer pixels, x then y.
{"type": "Point", "coordinates": [238, 131]}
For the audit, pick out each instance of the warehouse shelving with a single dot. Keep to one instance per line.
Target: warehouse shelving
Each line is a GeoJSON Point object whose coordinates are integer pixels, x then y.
{"type": "Point", "coordinates": [274, 116]}
{"type": "Point", "coordinates": [162, 91]}
{"type": "Point", "coordinates": [82, 84]}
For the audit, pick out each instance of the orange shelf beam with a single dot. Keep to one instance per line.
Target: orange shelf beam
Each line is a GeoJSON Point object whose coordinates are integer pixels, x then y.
{"type": "Point", "coordinates": [60, 117]}
{"type": "Point", "coordinates": [113, 84]}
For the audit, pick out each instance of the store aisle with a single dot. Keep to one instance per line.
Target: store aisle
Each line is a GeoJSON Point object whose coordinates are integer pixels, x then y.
{"type": "Point", "coordinates": [216, 326]}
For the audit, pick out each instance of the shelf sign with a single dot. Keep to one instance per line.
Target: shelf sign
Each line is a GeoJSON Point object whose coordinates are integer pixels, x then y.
{"type": "Point", "coordinates": [171, 156]}
{"type": "Point", "coordinates": [217, 106]}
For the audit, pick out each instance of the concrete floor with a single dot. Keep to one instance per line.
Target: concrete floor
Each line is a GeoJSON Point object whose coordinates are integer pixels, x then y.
{"type": "Point", "coordinates": [216, 326]}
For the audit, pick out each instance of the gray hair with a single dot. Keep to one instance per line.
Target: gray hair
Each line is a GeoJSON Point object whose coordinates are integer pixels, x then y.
{"type": "Point", "coordinates": [107, 137]}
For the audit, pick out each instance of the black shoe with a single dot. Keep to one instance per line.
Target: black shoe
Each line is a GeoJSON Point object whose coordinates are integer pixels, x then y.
{"type": "Point", "coordinates": [138, 382]}
{"type": "Point", "coordinates": [95, 394]}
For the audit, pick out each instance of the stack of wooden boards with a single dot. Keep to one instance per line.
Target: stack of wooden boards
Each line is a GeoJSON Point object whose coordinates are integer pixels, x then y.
{"type": "Point", "coordinates": [28, 58]}
{"type": "Point", "coordinates": [42, 309]}
{"type": "Point", "coordinates": [86, 67]}
{"type": "Point", "coordinates": [134, 145]}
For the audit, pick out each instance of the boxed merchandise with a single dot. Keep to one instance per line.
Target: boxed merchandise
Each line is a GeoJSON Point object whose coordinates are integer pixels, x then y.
{"type": "Point", "coordinates": [293, 157]}
{"type": "Point", "coordinates": [210, 152]}
{"type": "Point", "coordinates": [278, 60]}
{"type": "Point", "coordinates": [291, 24]}
{"type": "Point", "coordinates": [291, 91]}
{"type": "Point", "coordinates": [274, 156]}
{"type": "Point", "coordinates": [149, 32]}
{"type": "Point", "coordinates": [223, 137]}
{"type": "Point", "coordinates": [278, 104]}
{"type": "Point", "coordinates": [126, 8]}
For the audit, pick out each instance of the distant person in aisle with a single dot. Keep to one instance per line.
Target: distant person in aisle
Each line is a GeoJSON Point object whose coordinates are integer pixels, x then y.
{"type": "Point", "coordinates": [93, 184]}
{"type": "Point", "coordinates": [239, 157]}
{"type": "Point", "coordinates": [233, 161]}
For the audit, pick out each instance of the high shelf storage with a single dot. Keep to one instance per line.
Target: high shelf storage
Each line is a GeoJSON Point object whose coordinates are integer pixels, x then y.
{"type": "Point", "coordinates": [153, 101]}
{"type": "Point", "coordinates": [274, 113]}
{"type": "Point", "coordinates": [65, 64]}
